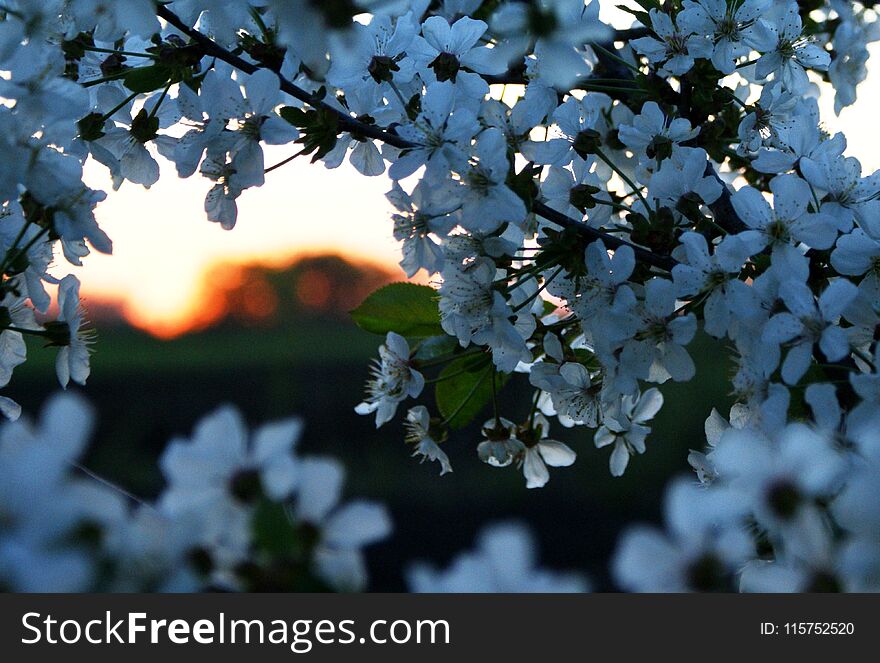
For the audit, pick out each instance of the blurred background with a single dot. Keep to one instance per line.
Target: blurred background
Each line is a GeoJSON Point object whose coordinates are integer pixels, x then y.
{"type": "Point", "coordinates": [278, 341]}
{"type": "Point", "coordinates": [190, 317]}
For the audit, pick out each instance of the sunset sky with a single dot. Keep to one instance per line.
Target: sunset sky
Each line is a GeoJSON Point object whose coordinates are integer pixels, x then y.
{"type": "Point", "coordinates": [163, 245]}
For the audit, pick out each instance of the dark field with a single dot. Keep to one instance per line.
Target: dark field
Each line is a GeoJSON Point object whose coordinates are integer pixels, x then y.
{"type": "Point", "coordinates": [147, 391]}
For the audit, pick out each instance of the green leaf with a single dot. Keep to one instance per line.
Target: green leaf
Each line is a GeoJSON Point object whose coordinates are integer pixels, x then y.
{"type": "Point", "coordinates": [587, 359]}
{"type": "Point", "coordinates": [406, 308]}
{"type": "Point", "coordinates": [147, 79]}
{"type": "Point", "coordinates": [465, 388]}
{"type": "Point", "coordinates": [643, 17]}
{"type": "Point", "coordinates": [273, 531]}
{"type": "Point", "coordinates": [436, 346]}
{"type": "Point", "coordinates": [648, 5]}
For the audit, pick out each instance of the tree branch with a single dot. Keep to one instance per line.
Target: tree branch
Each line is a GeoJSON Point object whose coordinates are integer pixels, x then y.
{"type": "Point", "coordinates": [722, 209]}
{"type": "Point", "coordinates": [346, 122]}
{"type": "Point", "coordinates": [665, 263]}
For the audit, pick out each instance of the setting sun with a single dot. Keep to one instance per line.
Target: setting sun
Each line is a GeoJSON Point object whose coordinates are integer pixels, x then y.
{"type": "Point", "coordinates": [164, 248]}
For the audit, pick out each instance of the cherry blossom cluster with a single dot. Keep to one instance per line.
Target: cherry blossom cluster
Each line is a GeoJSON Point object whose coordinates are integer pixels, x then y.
{"type": "Point", "coordinates": [787, 508]}
{"type": "Point", "coordinates": [585, 196]}
{"type": "Point", "coordinates": [241, 511]}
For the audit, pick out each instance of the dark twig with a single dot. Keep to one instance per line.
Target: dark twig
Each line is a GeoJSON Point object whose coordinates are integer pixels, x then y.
{"type": "Point", "coordinates": [346, 122]}
{"type": "Point", "coordinates": [665, 263]}
{"type": "Point", "coordinates": [722, 209]}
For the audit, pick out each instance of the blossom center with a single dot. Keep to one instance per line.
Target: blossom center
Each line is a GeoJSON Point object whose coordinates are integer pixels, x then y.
{"type": "Point", "coordinates": [245, 485]}
{"type": "Point", "coordinates": [784, 499]}
{"type": "Point", "coordinates": [445, 66]}
{"type": "Point", "coordinates": [706, 574]}
{"type": "Point", "coordinates": [382, 68]}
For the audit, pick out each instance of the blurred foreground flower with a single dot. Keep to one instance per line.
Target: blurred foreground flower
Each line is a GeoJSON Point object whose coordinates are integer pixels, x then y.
{"type": "Point", "coordinates": [241, 512]}
{"type": "Point", "coordinates": [505, 560]}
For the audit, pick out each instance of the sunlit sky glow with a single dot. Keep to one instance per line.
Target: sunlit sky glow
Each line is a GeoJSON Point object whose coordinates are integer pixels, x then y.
{"type": "Point", "coordinates": [164, 246]}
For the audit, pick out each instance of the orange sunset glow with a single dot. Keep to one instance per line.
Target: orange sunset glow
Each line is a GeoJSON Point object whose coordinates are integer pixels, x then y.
{"type": "Point", "coordinates": [168, 259]}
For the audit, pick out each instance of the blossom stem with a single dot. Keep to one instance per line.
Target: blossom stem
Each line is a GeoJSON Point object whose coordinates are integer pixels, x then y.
{"type": "Point", "coordinates": [562, 324]}
{"type": "Point", "coordinates": [611, 203]}
{"type": "Point", "coordinates": [591, 87]}
{"type": "Point", "coordinates": [258, 19]}
{"type": "Point", "coordinates": [534, 409]}
{"type": "Point", "coordinates": [282, 163]}
{"type": "Point", "coordinates": [106, 79]}
{"type": "Point", "coordinates": [537, 294]}
{"type": "Point", "coordinates": [602, 81]}
{"type": "Point", "coordinates": [110, 484]}
{"type": "Point", "coordinates": [161, 99]}
{"type": "Point", "coordinates": [14, 246]}
{"type": "Point", "coordinates": [30, 332]}
{"type": "Point", "coordinates": [522, 274]}
{"type": "Point", "coordinates": [715, 225]}
{"type": "Point", "coordinates": [495, 402]}
{"type": "Point", "coordinates": [615, 57]}
{"type": "Point", "coordinates": [23, 250]}
{"type": "Point", "coordinates": [815, 198]}
{"type": "Point", "coordinates": [623, 176]}
{"type": "Point", "coordinates": [732, 95]}
{"type": "Point", "coordinates": [397, 93]}
{"type": "Point", "coordinates": [128, 54]}
{"type": "Point", "coordinates": [118, 107]}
